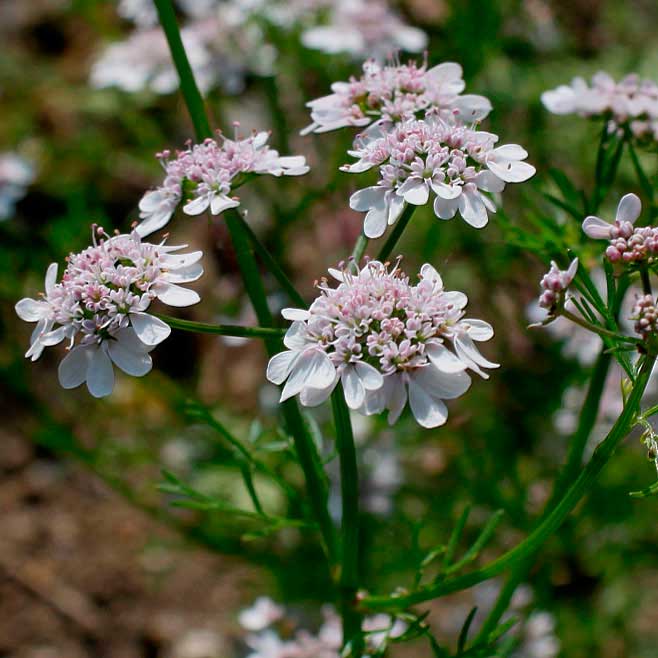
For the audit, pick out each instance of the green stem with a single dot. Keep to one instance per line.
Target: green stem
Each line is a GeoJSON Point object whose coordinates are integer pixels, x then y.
{"type": "Point", "coordinates": [396, 233]}
{"type": "Point", "coordinates": [601, 331]}
{"type": "Point", "coordinates": [306, 451]}
{"type": "Point", "coordinates": [360, 247]}
{"type": "Point", "coordinates": [586, 422]}
{"type": "Point", "coordinates": [188, 86]}
{"type": "Point", "coordinates": [349, 485]}
{"type": "Point", "coordinates": [272, 266]}
{"type": "Point", "coordinates": [546, 528]}
{"type": "Point", "coordinates": [222, 329]}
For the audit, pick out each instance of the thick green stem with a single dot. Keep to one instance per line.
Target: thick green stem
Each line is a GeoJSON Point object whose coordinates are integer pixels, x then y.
{"type": "Point", "coordinates": [396, 233]}
{"type": "Point", "coordinates": [188, 86]}
{"type": "Point", "coordinates": [546, 527]}
{"type": "Point", "coordinates": [306, 451]}
{"type": "Point", "coordinates": [222, 329]}
{"type": "Point", "coordinates": [586, 423]}
{"type": "Point", "coordinates": [349, 489]}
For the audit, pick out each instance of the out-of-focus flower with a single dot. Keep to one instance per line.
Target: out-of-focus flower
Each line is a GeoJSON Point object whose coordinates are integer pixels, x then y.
{"type": "Point", "coordinates": [386, 341]}
{"type": "Point", "coordinates": [263, 613]}
{"type": "Point", "coordinates": [100, 307]}
{"type": "Point", "coordinates": [203, 175]}
{"type": "Point", "coordinates": [326, 643]}
{"type": "Point", "coordinates": [458, 164]}
{"type": "Point", "coordinates": [364, 28]}
{"type": "Point", "coordinates": [538, 639]}
{"type": "Point", "coordinates": [15, 176]}
{"type": "Point", "coordinates": [393, 93]}
{"type": "Point", "coordinates": [631, 103]}
{"type": "Point", "coordinates": [554, 285]}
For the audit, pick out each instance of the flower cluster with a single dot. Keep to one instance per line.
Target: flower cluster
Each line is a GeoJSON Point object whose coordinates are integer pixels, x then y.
{"type": "Point", "coordinates": [274, 633]}
{"type": "Point", "coordinates": [631, 102]}
{"type": "Point", "coordinates": [627, 244]}
{"type": "Point", "coordinates": [363, 28]}
{"type": "Point", "coordinates": [15, 175]}
{"type": "Point", "coordinates": [393, 93]}
{"type": "Point", "coordinates": [386, 340]}
{"type": "Point", "coordinates": [457, 163]}
{"type": "Point", "coordinates": [554, 285]}
{"type": "Point", "coordinates": [645, 314]}
{"type": "Point", "coordinates": [100, 306]}
{"type": "Point", "coordinates": [204, 175]}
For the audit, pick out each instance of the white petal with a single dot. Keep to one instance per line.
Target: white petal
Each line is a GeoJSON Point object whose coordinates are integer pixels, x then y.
{"type": "Point", "coordinates": [51, 277]}
{"type": "Point", "coordinates": [280, 365]}
{"type": "Point", "coordinates": [54, 337]}
{"type": "Point", "coordinates": [185, 274]}
{"type": "Point", "coordinates": [100, 373]}
{"type": "Point", "coordinates": [415, 191]}
{"type": "Point", "coordinates": [397, 397]}
{"type": "Point", "coordinates": [489, 182]}
{"type": "Point", "coordinates": [218, 204]}
{"type": "Point", "coordinates": [467, 351]}
{"type": "Point", "coordinates": [363, 200]}
{"type": "Point", "coordinates": [596, 228]}
{"type": "Point", "coordinates": [629, 208]}
{"type": "Point", "coordinates": [473, 210]}
{"type": "Point", "coordinates": [197, 206]}
{"type": "Point", "coordinates": [174, 295]}
{"type": "Point", "coordinates": [445, 72]}
{"type": "Point", "coordinates": [511, 152]}
{"type": "Point", "coordinates": [429, 273]}
{"type": "Point", "coordinates": [153, 223]}
{"type": "Point", "coordinates": [444, 359]}
{"type": "Point", "coordinates": [443, 385]}
{"type": "Point", "coordinates": [312, 369]}
{"type": "Point", "coordinates": [135, 363]}
{"type": "Point", "coordinates": [445, 208]}
{"type": "Point", "coordinates": [72, 370]}
{"type": "Point", "coordinates": [298, 314]}
{"type": "Point", "coordinates": [479, 329]}
{"type": "Point", "coordinates": [455, 297]}
{"type": "Point", "coordinates": [149, 329]}
{"type": "Point", "coordinates": [296, 337]}
{"type": "Point", "coordinates": [31, 310]}
{"type": "Point", "coordinates": [472, 107]}
{"type": "Point", "coordinates": [396, 205]}
{"type": "Point", "coordinates": [313, 397]}
{"type": "Point", "coordinates": [428, 411]}
{"type": "Point", "coordinates": [371, 378]}
{"type": "Point", "coordinates": [446, 191]}
{"type": "Point", "coordinates": [353, 388]}
{"type": "Point", "coordinates": [375, 222]}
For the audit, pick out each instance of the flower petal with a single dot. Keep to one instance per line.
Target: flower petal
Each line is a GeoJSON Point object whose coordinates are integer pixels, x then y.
{"type": "Point", "coordinates": [473, 210]}
{"type": "Point", "coordinates": [149, 329]}
{"type": "Point", "coordinates": [132, 362]}
{"type": "Point", "coordinates": [353, 389]}
{"type": "Point", "coordinates": [197, 206]}
{"type": "Point", "coordinates": [629, 208]}
{"type": "Point", "coordinates": [100, 373]}
{"type": "Point", "coordinates": [363, 200]}
{"type": "Point", "coordinates": [30, 310]}
{"type": "Point", "coordinates": [429, 412]}
{"type": "Point", "coordinates": [174, 295]}
{"type": "Point", "coordinates": [280, 365]}
{"type": "Point", "coordinates": [72, 370]}
{"type": "Point", "coordinates": [370, 377]}
{"type": "Point", "coordinates": [415, 191]}
{"type": "Point", "coordinates": [596, 228]}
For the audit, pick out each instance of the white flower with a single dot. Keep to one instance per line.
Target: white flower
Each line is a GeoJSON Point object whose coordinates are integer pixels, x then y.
{"type": "Point", "coordinates": [628, 211]}
{"type": "Point", "coordinates": [386, 341]}
{"type": "Point", "coordinates": [263, 613]}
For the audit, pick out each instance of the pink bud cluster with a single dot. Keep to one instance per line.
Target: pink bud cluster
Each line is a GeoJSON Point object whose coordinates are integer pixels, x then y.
{"type": "Point", "coordinates": [631, 102]}
{"type": "Point", "coordinates": [99, 306]}
{"type": "Point", "coordinates": [205, 174]}
{"type": "Point", "coordinates": [554, 285]}
{"type": "Point", "coordinates": [393, 93]}
{"type": "Point", "coordinates": [456, 162]}
{"type": "Point", "coordinates": [640, 246]}
{"type": "Point", "coordinates": [386, 340]}
{"type": "Point", "coordinates": [645, 314]}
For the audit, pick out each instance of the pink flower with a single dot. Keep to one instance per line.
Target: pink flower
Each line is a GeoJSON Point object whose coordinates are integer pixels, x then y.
{"type": "Point", "coordinates": [628, 211]}
{"type": "Point", "coordinates": [554, 285]}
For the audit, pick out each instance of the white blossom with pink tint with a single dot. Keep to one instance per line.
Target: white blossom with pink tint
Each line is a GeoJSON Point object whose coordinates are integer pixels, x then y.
{"type": "Point", "coordinates": [100, 306]}
{"type": "Point", "coordinates": [459, 165]}
{"type": "Point", "coordinates": [645, 315]}
{"type": "Point", "coordinates": [389, 94]}
{"type": "Point", "coordinates": [628, 211]}
{"type": "Point", "coordinates": [631, 102]}
{"type": "Point", "coordinates": [204, 176]}
{"type": "Point", "coordinates": [386, 340]}
{"type": "Point", "coordinates": [554, 285]}
{"type": "Point", "coordinates": [363, 28]}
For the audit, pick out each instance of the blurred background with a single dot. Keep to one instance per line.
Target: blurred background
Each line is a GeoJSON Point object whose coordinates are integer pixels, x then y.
{"type": "Point", "coordinates": [93, 559]}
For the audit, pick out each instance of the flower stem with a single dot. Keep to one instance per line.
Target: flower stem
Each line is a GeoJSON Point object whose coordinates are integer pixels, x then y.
{"type": "Point", "coordinates": [396, 233]}
{"type": "Point", "coordinates": [349, 485]}
{"type": "Point", "coordinates": [546, 527]}
{"type": "Point", "coordinates": [309, 458]}
{"type": "Point", "coordinates": [188, 86]}
{"type": "Point", "coordinates": [360, 247]}
{"type": "Point", "coordinates": [222, 329]}
{"type": "Point", "coordinates": [601, 331]}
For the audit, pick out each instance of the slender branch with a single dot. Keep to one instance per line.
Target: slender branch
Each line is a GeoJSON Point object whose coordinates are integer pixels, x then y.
{"type": "Point", "coordinates": [188, 86]}
{"type": "Point", "coordinates": [349, 486]}
{"type": "Point", "coordinates": [360, 247]}
{"type": "Point", "coordinates": [396, 233]}
{"type": "Point", "coordinates": [222, 329]}
{"type": "Point", "coordinates": [272, 266]}
{"type": "Point", "coordinates": [598, 330]}
{"type": "Point", "coordinates": [306, 451]}
{"type": "Point", "coordinates": [546, 528]}
{"type": "Point", "coordinates": [646, 281]}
